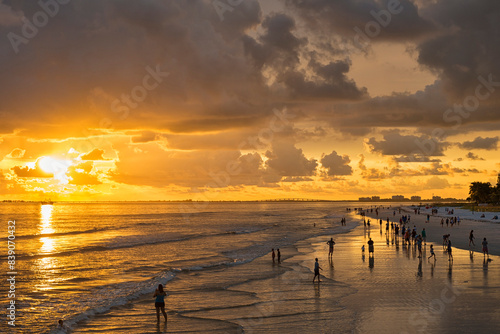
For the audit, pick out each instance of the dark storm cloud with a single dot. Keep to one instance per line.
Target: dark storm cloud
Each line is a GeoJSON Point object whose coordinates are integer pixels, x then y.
{"type": "Point", "coordinates": [279, 50]}
{"type": "Point", "coordinates": [91, 53]}
{"type": "Point", "coordinates": [342, 16]}
{"type": "Point", "coordinates": [468, 44]}
{"type": "Point", "coordinates": [457, 40]}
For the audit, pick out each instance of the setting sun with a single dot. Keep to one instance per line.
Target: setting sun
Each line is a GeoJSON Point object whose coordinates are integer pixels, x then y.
{"type": "Point", "coordinates": [53, 166]}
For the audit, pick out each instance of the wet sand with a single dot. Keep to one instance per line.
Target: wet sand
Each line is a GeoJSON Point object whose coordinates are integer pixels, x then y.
{"type": "Point", "coordinates": [399, 293]}
{"type": "Point", "coordinates": [392, 292]}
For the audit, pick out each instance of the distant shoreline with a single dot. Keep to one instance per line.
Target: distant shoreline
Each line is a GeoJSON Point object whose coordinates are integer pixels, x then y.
{"type": "Point", "coordinates": [298, 200]}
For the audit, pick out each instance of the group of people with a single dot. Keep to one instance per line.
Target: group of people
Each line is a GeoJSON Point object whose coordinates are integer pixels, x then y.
{"type": "Point", "coordinates": [450, 221]}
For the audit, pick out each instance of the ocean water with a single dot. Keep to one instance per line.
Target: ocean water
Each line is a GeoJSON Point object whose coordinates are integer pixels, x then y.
{"type": "Point", "coordinates": [87, 263]}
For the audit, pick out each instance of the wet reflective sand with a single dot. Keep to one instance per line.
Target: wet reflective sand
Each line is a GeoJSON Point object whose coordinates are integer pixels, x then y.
{"type": "Point", "coordinates": [398, 292]}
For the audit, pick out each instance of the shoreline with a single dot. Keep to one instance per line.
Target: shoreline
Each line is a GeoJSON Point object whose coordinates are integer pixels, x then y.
{"type": "Point", "coordinates": [221, 313]}
{"type": "Point", "coordinates": [282, 297]}
{"type": "Point", "coordinates": [459, 234]}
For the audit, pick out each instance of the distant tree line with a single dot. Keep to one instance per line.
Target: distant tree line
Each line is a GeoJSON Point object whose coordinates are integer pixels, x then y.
{"type": "Point", "coordinates": [484, 192]}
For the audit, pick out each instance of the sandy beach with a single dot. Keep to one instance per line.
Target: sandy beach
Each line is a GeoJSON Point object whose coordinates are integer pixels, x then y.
{"type": "Point", "coordinates": [399, 293]}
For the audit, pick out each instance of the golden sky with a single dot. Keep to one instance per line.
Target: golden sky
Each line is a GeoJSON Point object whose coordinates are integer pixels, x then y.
{"type": "Point", "coordinates": [223, 100]}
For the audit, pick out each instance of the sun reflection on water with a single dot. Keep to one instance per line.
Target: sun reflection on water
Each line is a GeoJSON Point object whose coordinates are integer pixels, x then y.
{"type": "Point", "coordinates": [46, 228]}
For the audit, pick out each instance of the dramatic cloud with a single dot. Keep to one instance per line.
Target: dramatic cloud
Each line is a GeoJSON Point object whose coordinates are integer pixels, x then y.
{"type": "Point", "coordinates": [287, 160]}
{"type": "Point", "coordinates": [181, 95]}
{"type": "Point", "coordinates": [409, 145]}
{"type": "Point", "coordinates": [336, 164]}
{"type": "Point", "coordinates": [279, 52]}
{"type": "Point", "coordinates": [36, 171]}
{"type": "Point", "coordinates": [341, 17]}
{"type": "Point", "coordinates": [81, 174]}
{"type": "Point", "coordinates": [481, 143]}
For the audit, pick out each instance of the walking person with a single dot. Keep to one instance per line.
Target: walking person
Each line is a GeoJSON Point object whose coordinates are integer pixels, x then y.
{"type": "Point", "coordinates": [273, 254]}
{"type": "Point", "coordinates": [160, 302]}
{"type": "Point", "coordinates": [279, 256]}
{"type": "Point", "coordinates": [471, 238]}
{"type": "Point", "coordinates": [432, 253]}
{"type": "Point", "coordinates": [316, 270]}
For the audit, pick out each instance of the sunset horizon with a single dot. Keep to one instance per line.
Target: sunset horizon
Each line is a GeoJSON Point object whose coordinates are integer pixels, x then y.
{"type": "Point", "coordinates": [249, 100]}
{"type": "Point", "coordinates": [250, 166]}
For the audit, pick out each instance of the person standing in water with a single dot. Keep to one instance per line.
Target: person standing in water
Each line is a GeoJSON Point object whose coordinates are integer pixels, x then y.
{"type": "Point", "coordinates": [330, 243]}
{"type": "Point", "coordinates": [316, 270]}
{"type": "Point", "coordinates": [485, 248]}
{"type": "Point", "coordinates": [370, 247]}
{"type": "Point", "coordinates": [160, 302]}
{"type": "Point", "coordinates": [279, 256]}
{"type": "Point", "coordinates": [273, 254]}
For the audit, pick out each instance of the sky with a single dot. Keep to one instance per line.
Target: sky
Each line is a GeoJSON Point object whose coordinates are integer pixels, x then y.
{"type": "Point", "coordinates": [247, 99]}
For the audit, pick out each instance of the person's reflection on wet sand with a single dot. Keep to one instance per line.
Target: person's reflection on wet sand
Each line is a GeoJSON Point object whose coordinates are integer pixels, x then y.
{"type": "Point", "coordinates": [419, 272]}
{"type": "Point", "coordinates": [371, 262]}
{"type": "Point", "coordinates": [450, 266]}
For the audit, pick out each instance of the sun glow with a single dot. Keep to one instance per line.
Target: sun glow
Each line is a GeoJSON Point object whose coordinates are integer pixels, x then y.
{"type": "Point", "coordinates": [53, 166]}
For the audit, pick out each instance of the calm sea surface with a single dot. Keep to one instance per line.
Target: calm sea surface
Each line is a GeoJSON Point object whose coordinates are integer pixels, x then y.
{"type": "Point", "coordinates": [78, 261]}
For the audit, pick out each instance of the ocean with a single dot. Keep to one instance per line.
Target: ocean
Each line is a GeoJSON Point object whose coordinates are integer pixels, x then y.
{"type": "Point", "coordinates": [96, 265]}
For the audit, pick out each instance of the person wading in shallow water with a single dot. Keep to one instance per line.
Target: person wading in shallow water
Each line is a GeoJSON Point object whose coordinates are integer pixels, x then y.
{"type": "Point", "coordinates": [330, 243]}
{"type": "Point", "coordinates": [316, 270]}
{"type": "Point", "coordinates": [485, 248]}
{"type": "Point", "coordinates": [160, 302]}
{"type": "Point", "coordinates": [370, 247]}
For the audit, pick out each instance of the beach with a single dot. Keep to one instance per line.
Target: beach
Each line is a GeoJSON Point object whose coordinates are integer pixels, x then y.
{"type": "Point", "coordinates": [224, 281]}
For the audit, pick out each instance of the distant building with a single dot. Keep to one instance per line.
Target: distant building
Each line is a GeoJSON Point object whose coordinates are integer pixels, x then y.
{"type": "Point", "coordinates": [398, 198]}
{"type": "Point", "coordinates": [365, 199]}
{"type": "Point", "coordinates": [375, 198]}
{"type": "Point", "coordinates": [416, 198]}
{"type": "Point", "coordinates": [436, 198]}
